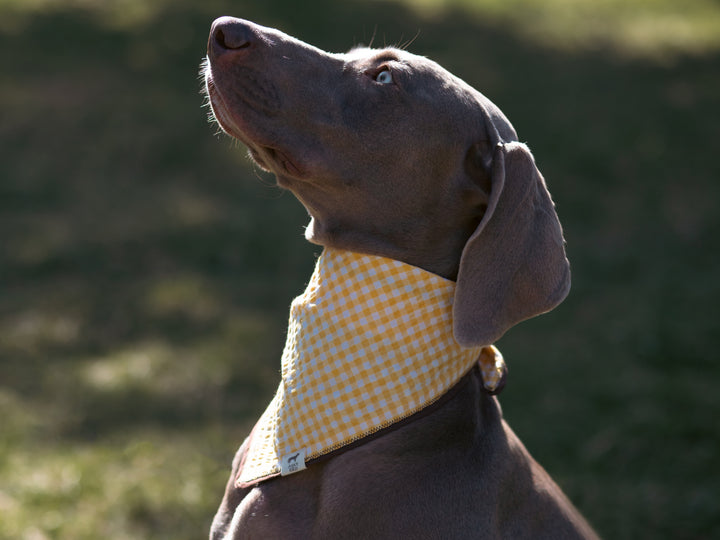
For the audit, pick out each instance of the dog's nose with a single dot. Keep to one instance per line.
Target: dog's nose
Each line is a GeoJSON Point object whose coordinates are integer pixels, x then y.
{"type": "Point", "coordinates": [230, 34]}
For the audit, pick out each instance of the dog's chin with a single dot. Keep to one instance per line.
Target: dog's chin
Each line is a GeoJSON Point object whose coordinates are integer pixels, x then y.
{"type": "Point", "coordinates": [257, 159]}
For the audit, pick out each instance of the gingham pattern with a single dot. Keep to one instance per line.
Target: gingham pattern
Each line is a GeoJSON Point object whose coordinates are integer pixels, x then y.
{"type": "Point", "coordinates": [369, 343]}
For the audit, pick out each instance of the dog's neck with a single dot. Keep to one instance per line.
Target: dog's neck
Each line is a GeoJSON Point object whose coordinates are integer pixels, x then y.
{"type": "Point", "coordinates": [436, 249]}
{"type": "Point", "coordinates": [369, 343]}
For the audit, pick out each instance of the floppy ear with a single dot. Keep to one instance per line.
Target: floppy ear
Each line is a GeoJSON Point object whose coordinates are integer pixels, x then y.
{"type": "Point", "coordinates": [513, 267]}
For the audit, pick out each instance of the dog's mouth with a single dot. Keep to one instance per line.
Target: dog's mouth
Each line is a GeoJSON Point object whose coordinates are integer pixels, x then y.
{"type": "Point", "coordinates": [271, 159]}
{"type": "Point", "coordinates": [267, 156]}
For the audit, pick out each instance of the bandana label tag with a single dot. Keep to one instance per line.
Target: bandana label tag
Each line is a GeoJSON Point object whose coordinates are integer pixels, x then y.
{"type": "Point", "coordinates": [292, 463]}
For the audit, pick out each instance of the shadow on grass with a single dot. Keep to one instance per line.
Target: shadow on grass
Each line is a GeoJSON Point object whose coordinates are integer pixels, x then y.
{"type": "Point", "coordinates": [146, 269]}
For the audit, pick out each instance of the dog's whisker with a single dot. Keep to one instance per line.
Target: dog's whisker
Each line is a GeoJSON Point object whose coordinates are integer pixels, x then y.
{"type": "Point", "coordinates": [372, 38]}
{"type": "Point", "coordinates": [404, 46]}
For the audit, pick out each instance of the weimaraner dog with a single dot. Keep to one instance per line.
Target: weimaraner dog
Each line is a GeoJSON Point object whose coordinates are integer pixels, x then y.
{"type": "Point", "coordinates": [395, 157]}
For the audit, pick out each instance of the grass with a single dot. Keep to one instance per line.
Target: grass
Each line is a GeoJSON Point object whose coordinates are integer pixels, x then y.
{"type": "Point", "coordinates": [646, 28]}
{"type": "Point", "coordinates": [146, 268]}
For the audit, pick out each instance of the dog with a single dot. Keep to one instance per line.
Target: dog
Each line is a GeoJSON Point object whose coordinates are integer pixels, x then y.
{"type": "Point", "coordinates": [404, 167]}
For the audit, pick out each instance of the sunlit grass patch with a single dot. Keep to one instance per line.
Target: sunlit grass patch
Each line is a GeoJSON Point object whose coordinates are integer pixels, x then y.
{"type": "Point", "coordinates": [646, 28]}
{"type": "Point", "coordinates": [650, 28]}
{"type": "Point", "coordinates": [31, 328]}
{"type": "Point", "coordinates": [183, 368]}
{"type": "Point", "coordinates": [133, 442]}
{"type": "Point", "coordinates": [137, 366]}
{"type": "Point", "coordinates": [136, 485]}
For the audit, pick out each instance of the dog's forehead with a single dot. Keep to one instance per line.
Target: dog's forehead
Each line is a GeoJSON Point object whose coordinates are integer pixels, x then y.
{"type": "Point", "coordinates": [434, 78]}
{"type": "Point", "coordinates": [421, 69]}
{"type": "Point", "coordinates": [369, 56]}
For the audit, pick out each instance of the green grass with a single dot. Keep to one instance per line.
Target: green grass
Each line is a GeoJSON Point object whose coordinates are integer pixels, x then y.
{"type": "Point", "coordinates": [647, 28]}
{"type": "Point", "coordinates": [146, 268]}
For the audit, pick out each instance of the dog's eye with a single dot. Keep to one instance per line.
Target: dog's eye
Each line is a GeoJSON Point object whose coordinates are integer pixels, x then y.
{"type": "Point", "coordinates": [384, 77]}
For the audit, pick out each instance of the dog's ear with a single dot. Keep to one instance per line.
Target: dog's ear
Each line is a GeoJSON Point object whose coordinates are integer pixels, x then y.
{"type": "Point", "coordinates": [513, 267]}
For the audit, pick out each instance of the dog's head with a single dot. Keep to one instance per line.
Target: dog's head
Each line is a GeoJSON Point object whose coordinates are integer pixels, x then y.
{"type": "Point", "coordinates": [393, 155]}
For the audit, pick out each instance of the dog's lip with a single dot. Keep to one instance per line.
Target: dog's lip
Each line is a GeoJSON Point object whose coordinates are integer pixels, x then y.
{"type": "Point", "coordinates": [269, 156]}
{"type": "Point", "coordinates": [286, 163]}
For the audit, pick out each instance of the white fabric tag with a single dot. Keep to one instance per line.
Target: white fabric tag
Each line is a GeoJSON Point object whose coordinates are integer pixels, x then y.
{"type": "Point", "coordinates": [292, 463]}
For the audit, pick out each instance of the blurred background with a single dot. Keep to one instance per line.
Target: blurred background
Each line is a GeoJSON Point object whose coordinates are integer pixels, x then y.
{"type": "Point", "coordinates": [146, 267]}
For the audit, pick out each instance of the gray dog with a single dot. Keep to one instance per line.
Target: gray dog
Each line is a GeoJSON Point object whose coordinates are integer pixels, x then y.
{"type": "Point", "coordinates": [429, 210]}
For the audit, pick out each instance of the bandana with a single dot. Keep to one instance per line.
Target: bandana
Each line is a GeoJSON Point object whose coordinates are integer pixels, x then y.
{"type": "Point", "coordinates": [369, 343]}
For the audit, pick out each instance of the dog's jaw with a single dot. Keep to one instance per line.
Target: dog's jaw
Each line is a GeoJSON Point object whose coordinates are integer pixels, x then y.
{"type": "Point", "coordinates": [268, 157]}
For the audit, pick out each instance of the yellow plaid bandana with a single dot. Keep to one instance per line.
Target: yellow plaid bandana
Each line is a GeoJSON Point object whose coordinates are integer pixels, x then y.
{"type": "Point", "coordinates": [369, 343]}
